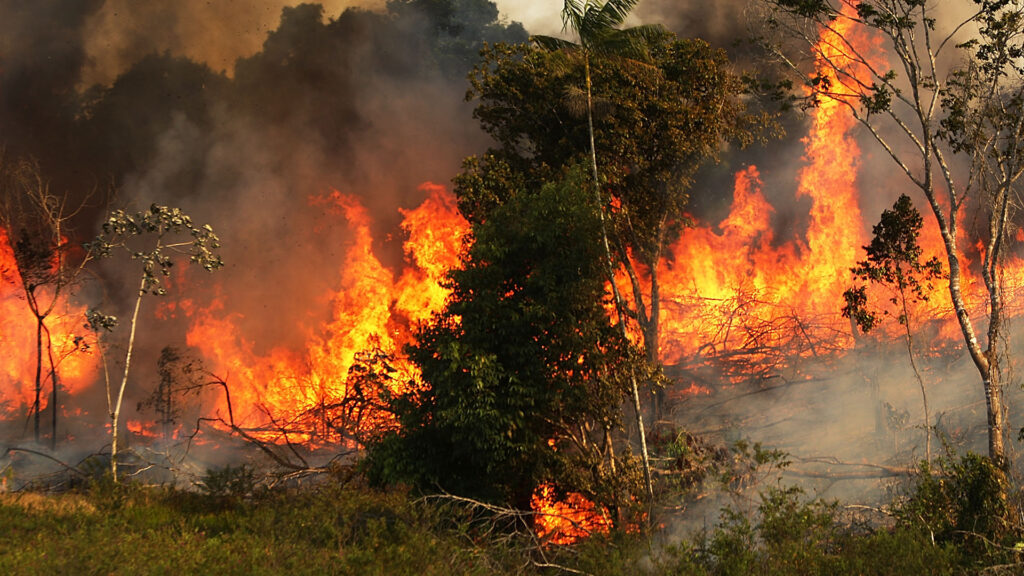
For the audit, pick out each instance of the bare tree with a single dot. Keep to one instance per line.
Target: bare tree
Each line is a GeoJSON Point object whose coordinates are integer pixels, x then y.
{"type": "Point", "coordinates": [36, 222]}
{"type": "Point", "coordinates": [953, 130]}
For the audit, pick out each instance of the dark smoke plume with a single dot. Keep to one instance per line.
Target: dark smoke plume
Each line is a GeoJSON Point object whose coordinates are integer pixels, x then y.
{"type": "Point", "coordinates": [366, 102]}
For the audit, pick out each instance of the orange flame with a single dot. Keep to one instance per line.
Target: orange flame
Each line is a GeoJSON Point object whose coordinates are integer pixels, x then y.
{"type": "Point", "coordinates": [568, 520]}
{"type": "Point", "coordinates": [739, 289]}
{"type": "Point", "coordinates": [370, 309]}
{"type": "Point", "coordinates": [75, 367]}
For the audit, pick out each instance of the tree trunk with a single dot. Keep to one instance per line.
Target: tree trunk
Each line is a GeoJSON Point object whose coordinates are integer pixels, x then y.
{"type": "Point", "coordinates": [902, 291]}
{"type": "Point", "coordinates": [116, 414]}
{"type": "Point", "coordinates": [996, 419]}
{"type": "Point", "coordinates": [53, 395]}
{"type": "Point", "coordinates": [611, 279]}
{"type": "Point", "coordinates": [39, 376]}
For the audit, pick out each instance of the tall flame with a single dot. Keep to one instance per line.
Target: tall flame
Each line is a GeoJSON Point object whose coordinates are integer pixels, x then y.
{"type": "Point", "coordinates": [371, 309]}
{"type": "Point", "coordinates": [740, 290]}
{"type": "Point", "coordinates": [75, 366]}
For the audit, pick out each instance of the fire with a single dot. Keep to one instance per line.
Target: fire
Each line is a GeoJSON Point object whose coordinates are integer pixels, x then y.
{"type": "Point", "coordinates": [371, 310]}
{"type": "Point", "coordinates": [568, 520]}
{"type": "Point", "coordinates": [16, 334]}
{"type": "Point", "coordinates": [142, 429]}
{"type": "Point", "coordinates": [76, 368]}
{"type": "Point", "coordinates": [740, 291]}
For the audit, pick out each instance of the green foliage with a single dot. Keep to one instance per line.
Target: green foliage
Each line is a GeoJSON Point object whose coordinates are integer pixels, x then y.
{"type": "Point", "coordinates": [960, 501]}
{"type": "Point", "coordinates": [229, 482]}
{"type": "Point", "coordinates": [347, 529]}
{"type": "Point", "coordinates": [655, 123]}
{"type": "Point", "coordinates": [894, 260]}
{"type": "Point", "coordinates": [524, 370]}
{"type": "Point", "coordinates": [790, 535]}
{"type": "Point", "coordinates": [157, 224]}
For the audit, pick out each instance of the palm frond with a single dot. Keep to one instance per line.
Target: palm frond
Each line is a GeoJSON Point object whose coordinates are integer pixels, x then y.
{"type": "Point", "coordinates": [552, 44]}
{"type": "Point", "coordinates": [631, 43]}
{"type": "Point", "coordinates": [650, 33]}
{"type": "Point", "coordinates": [573, 12]}
{"type": "Point", "coordinates": [615, 12]}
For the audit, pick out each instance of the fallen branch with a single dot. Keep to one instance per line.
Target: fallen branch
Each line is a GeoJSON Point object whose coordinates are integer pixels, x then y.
{"type": "Point", "coordinates": [875, 470]}
{"type": "Point", "coordinates": [518, 518]}
{"type": "Point", "coordinates": [48, 457]}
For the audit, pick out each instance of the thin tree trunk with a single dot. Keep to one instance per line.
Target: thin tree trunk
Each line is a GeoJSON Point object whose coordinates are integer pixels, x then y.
{"type": "Point", "coordinates": [39, 374]}
{"type": "Point", "coordinates": [611, 278]}
{"type": "Point", "coordinates": [917, 375]}
{"type": "Point", "coordinates": [652, 336]}
{"type": "Point", "coordinates": [53, 383]}
{"type": "Point", "coordinates": [115, 415]}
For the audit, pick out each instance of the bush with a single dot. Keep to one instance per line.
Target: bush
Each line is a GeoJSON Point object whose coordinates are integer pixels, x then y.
{"type": "Point", "coordinates": [961, 502]}
{"type": "Point", "coordinates": [790, 535]}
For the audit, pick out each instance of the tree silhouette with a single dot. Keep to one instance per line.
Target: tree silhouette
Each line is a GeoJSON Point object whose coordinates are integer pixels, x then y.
{"type": "Point", "coordinates": [894, 260]}
{"type": "Point", "coordinates": [36, 223]}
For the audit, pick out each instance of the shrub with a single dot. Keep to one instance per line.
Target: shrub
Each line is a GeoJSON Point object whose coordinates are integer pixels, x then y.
{"type": "Point", "coordinates": [960, 501]}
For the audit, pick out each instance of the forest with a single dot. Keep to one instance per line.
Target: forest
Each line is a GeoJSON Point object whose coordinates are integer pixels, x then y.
{"type": "Point", "coordinates": [409, 288]}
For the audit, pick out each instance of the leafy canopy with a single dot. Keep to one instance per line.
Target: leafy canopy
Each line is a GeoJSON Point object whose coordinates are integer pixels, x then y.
{"type": "Point", "coordinates": [654, 126]}
{"type": "Point", "coordinates": [521, 367]}
{"type": "Point", "coordinates": [894, 260]}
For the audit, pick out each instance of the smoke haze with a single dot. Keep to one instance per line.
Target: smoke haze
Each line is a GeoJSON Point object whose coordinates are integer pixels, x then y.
{"type": "Point", "coordinates": [241, 111]}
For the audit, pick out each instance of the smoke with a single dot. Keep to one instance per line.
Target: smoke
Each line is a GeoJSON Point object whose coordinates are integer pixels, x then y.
{"type": "Point", "coordinates": [215, 33]}
{"type": "Point", "coordinates": [242, 114]}
{"type": "Point", "coordinates": [722, 24]}
{"type": "Point", "coordinates": [538, 16]}
{"type": "Point", "coordinates": [241, 111]}
{"type": "Point", "coordinates": [41, 55]}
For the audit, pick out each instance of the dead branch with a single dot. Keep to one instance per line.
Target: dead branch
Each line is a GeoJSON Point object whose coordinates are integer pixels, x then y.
{"type": "Point", "coordinates": [867, 470]}
{"type": "Point", "coordinates": [537, 547]}
{"type": "Point", "coordinates": [249, 438]}
{"type": "Point", "coordinates": [48, 457]}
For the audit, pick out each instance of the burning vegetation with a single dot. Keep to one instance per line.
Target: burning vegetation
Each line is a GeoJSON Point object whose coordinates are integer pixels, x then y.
{"type": "Point", "coordinates": [619, 261]}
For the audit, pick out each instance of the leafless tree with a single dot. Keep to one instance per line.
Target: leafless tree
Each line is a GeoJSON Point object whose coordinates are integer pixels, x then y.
{"type": "Point", "coordinates": [35, 222]}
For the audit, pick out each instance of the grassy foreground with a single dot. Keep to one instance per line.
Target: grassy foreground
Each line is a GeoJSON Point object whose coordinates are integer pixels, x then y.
{"type": "Point", "coordinates": [346, 528]}
{"type": "Point", "coordinates": [322, 530]}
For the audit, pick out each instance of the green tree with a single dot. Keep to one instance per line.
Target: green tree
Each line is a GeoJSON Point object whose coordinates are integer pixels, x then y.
{"type": "Point", "coordinates": [894, 260]}
{"type": "Point", "coordinates": [525, 373]}
{"type": "Point", "coordinates": [955, 132]}
{"type": "Point", "coordinates": [595, 25]}
{"type": "Point", "coordinates": [153, 237]}
{"type": "Point", "coordinates": [652, 119]}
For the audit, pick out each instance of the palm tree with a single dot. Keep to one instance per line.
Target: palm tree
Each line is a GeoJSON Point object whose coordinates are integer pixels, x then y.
{"type": "Point", "coordinates": [595, 25]}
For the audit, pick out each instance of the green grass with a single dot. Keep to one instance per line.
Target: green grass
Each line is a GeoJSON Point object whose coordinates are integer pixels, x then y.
{"type": "Point", "coordinates": [336, 528]}
{"type": "Point", "coordinates": [322, 530]}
